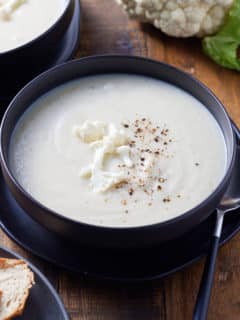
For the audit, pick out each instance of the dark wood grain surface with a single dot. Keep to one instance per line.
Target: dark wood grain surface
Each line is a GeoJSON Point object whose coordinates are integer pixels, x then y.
{"type": "Point", "coordinates": [106, 29]}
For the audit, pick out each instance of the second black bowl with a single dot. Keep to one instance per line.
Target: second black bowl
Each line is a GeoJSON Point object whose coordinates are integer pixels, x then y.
{"type": "Point", "coordinates": [21, 64]}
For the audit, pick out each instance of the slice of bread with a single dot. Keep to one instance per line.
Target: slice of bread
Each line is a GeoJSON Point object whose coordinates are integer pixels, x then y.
{"type": "Point", "coordinates": [16, 280]}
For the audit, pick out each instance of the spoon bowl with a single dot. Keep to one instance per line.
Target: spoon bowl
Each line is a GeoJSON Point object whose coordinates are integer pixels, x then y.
{"type": "Point", "coordinates": [229, 204]}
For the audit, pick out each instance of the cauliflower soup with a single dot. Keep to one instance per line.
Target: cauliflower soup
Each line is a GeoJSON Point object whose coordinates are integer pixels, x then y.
{"type": "Point", "coordinates": [24, 20]}
{"type": "Point", "coordinates": [118, 150]}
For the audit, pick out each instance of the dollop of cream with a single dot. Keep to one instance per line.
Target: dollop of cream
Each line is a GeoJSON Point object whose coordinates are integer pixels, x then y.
{"type": "Point", "coordinates": [106, 141]}
{"type": "Point", "coordinates": [90, 131]}
{"type": "Point", "coordinates": [8, 7]}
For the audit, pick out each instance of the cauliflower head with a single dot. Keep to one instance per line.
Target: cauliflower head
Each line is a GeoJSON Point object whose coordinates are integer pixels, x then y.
{"type": "Point", "coordinates": [180, 18]}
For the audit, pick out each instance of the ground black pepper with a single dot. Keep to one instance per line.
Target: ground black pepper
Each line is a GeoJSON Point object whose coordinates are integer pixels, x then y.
{"type": "Point", "coordinates": [144, 175]}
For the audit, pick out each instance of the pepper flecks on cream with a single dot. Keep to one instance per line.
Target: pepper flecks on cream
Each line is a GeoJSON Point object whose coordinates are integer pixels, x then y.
{"type": "Point", "coordinates": [138, 161]}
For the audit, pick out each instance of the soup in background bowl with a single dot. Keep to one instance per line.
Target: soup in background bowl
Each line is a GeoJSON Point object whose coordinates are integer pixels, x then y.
{"type": "Point", "coordinates": [117, 151]}
{"type": "Point", "coordinates": [21, 21]}
{"type": "Point", "coordinates": [31, 31]}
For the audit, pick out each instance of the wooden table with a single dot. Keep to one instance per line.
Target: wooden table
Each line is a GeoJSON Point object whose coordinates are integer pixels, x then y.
{"type": "Point", "coordinates": [106, 29]}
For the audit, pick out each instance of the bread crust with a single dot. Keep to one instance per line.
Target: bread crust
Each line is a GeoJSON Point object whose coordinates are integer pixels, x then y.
{"type": "Point", "coordinates": [11, 263]}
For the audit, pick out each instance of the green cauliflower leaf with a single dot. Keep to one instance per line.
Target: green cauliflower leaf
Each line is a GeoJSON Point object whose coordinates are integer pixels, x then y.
{"type": "Point", "coordinates": [224, 47]}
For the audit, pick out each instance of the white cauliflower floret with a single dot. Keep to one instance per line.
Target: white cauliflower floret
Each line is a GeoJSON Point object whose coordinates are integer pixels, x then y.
{"type": "Point", "coordinates": [106, 140]}
{"type": "Point", "coordinates": [102, 181]}
{"type": "Point", "coordinates": [180, 18]}
{"type": "Point", "coordinates": [90, 131]}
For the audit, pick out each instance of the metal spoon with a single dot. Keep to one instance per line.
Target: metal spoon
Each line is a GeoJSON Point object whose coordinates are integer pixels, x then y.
{"type": "Point", "coordinates": [230, 202]}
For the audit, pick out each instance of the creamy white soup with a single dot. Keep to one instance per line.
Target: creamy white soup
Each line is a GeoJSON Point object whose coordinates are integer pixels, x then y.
{"type": "Point", "coordinates": [118, 150]}
{"type": "Point", "coordinates": [24, 20]}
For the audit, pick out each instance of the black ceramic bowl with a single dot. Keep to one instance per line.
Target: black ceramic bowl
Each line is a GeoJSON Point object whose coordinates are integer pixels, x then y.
{"type": "Point", "coordinates": [17, 64]}
{"type": "Point", "coordinates": [86, 234]}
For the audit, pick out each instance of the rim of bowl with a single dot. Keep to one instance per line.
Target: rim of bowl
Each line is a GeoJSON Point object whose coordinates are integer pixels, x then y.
{"type": "Point", "coordinates": [57, 215]}
{"type": "Point", "coordinates": [40, 36]}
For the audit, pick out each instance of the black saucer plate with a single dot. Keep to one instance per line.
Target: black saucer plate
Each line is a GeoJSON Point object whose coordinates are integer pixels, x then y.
{"type": "Point", "coordinates": [131, 266]}
{"type": "Point", "coordinates": [43, 302]}
{"type": "Point", "coordinates": [67, 50]}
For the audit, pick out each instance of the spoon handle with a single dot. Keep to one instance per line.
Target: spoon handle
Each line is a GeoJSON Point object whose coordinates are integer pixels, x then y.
{"type": "Point", "coordinates": [203, 298]}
